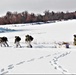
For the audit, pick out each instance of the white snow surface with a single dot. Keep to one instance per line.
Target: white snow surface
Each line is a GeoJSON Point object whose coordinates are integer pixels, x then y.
{"type": "Point", "coordinates": [45, 57]}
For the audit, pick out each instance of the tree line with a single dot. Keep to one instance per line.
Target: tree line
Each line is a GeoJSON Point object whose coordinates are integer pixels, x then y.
{"type": "Point", "coordinates": [25, 17]}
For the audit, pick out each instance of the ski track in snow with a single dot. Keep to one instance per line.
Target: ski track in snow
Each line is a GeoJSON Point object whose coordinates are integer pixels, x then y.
{"type": "Point", "coordinates": [54, 62]}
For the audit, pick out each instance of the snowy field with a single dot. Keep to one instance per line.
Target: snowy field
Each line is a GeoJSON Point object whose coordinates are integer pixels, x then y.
{"type": "Point", "coordinates": [45, 57]}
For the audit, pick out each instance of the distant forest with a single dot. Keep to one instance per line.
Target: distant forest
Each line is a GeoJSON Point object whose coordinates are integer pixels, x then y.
{"type": "Point", "coordinates": [25, 17]}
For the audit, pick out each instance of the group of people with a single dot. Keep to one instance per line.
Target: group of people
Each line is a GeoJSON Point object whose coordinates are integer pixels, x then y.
{"type": "Point", "coordinates": [28, 40]}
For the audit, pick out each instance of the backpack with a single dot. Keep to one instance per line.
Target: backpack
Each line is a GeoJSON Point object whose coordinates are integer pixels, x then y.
{"type": "Point", "coordinates": [18, 38]}
{"type": "Point", "coordinates": [4, 39]}
{"type": "Point", "coordinates": [31, 38]}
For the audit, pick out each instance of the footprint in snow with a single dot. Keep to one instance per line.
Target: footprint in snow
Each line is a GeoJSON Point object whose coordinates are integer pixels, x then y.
{"type": "Point", "coordinates": [55, 67]}
{"type": "Point", "coordinates": [20, 63]}
{"type": "Point", "coordinates": [10, 66]}
{"type": "Point", "coordinates": [31, 60]}
{"type": "Point", "coordinates": [51, 63]}
{"type": "Point", "coordinates": [64, 71]}
{"type": "Point", "coordinates": [48, 55]}
{"type": "Point", "coordinates": [55, 63]}
{"type": "Point", "coordinates": [41, 57]}
{"type": "Point", "coordinates": [2, 69]}
{"type": "Point", "coordinates": [4, 73]}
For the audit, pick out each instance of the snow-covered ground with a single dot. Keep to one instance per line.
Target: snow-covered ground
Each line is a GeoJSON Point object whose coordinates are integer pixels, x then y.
{"type": "Point", "coordinates": [45, 57]}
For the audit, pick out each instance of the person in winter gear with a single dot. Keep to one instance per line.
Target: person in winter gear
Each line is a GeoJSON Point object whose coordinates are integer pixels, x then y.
{"type": "Point", "coordinates": [17, 41]}
{"type": "Point", "coordinates": [28, 40]}
{"type": "Point", "coordinates": [74, 39]}
{"type": "Point", "coordinates": [3, 41]}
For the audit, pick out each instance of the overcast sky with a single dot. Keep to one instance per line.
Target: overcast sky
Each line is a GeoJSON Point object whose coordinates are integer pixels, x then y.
{"type": "Point", "coordinates": [36, 6]}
